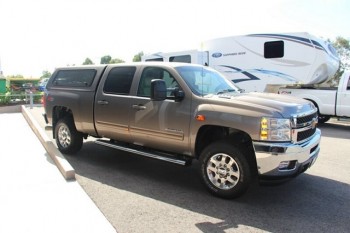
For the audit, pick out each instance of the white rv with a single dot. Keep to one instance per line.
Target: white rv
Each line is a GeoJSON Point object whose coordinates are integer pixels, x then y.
{"type": "Point", "coordinates": [259, 62]}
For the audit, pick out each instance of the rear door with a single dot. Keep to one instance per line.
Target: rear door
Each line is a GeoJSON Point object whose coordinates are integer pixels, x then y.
{"type": "Point", "coordinates": [113, 103]}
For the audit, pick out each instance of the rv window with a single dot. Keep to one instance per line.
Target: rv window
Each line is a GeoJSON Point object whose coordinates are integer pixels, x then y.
{"type": "Point", "coordinates": [182, 58]}
{"type": "Point", "coordinates": [274, 49]}
{"type": "Point", "coordinates": [155, 59]}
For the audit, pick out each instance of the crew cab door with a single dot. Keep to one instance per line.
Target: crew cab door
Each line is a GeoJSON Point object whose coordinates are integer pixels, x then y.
{"type": "Point", "coordinates": [162, 125]}
{"type": "Point", "coordinates": [113, 103]}
{"type": "Point", "coordinates": [343, 100]}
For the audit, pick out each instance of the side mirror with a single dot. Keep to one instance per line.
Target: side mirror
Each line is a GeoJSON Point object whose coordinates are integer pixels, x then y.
{"type": "Point", "coordinates": [158, 90]}
{"type": "Point", "coordinates": [179, 95]}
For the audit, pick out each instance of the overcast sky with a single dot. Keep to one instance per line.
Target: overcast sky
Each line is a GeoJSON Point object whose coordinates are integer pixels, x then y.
{"type": "Point", "coordinates": [40, 35]}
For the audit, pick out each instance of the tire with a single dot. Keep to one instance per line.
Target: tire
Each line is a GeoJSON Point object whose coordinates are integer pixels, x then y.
{"type": "Point", "coordinates": [68, 139]}
{"type": "Point", "coordinates": [323, 119]}
{"type": "Point", "coordinates": [225, 170]}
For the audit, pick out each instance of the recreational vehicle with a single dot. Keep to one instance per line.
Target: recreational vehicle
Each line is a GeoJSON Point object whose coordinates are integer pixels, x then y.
{"type": "Point", "coordinates": [260, 62]}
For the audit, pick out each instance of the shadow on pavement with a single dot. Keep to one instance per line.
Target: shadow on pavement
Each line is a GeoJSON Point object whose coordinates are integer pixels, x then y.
{"type": "Point", "coordinates": [305, 204]}
{"type": "Point", "coordinates": [335, 130]}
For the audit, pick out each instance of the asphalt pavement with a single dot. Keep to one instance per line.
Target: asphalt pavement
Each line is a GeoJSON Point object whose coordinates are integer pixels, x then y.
{"type": "Point", "coordinates": [35, 195]}
{"type": "Point", "coordinates": [138, 194]}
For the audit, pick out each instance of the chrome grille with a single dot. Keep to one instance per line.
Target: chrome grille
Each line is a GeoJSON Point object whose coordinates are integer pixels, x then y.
{"type": "Point", "coordinates": [302, 135]}
{"type": "Point", "coordinates": [304, 127]}
{"type": "Point", "coordinates": [306, 119]}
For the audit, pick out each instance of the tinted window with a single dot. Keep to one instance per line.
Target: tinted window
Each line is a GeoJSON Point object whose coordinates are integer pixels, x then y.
{"type": "Point", "coordinates": [155, 59]}
{"type": "Point", "coordinates": [119, 80]}
{"type": "Point", "coordinates": [274, 49]}
{"type": "Point", "coordinates": [182, 58]}
{"type": "Point", "coordinates": [151, 73]}
{"type": "Point", "coordinates": [74, 78]}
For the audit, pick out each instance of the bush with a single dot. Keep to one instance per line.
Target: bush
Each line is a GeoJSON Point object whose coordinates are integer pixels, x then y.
{"type": "Point", "coordinates": [5, 99]}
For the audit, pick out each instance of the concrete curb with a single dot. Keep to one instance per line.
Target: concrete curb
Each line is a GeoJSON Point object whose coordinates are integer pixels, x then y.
{"type": "Point", "coordinates": [62, 164]}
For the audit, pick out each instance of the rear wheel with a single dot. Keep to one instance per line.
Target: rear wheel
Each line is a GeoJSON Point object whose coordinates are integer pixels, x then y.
{"type": "Point", "coordinates": [225, 170]}
{"type": "Point", "coordinates": [68, 139]}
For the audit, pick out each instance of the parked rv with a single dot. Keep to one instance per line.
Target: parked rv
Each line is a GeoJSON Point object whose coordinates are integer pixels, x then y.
{"type": "Point", "coordinates": [259, 62]}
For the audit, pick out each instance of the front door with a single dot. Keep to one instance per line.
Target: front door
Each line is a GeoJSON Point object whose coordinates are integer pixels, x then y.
{"type": "Point", "coordinates": [164, 124]}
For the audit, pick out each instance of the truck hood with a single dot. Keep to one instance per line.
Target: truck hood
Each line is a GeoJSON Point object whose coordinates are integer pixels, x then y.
{"type": "Point", "coordinates": [267, 103]}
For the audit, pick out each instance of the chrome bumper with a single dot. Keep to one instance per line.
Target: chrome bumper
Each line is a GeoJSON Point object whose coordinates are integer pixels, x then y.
{"type": "Point", "coordinates": [286, 159]}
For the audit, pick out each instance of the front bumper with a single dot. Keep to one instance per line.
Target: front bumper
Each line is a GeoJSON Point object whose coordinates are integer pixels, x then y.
{"type": "Point", "coordinates": [280, 160]}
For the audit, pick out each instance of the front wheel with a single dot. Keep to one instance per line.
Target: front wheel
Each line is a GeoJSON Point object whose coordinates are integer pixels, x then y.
{"type": "Point", "coordinates": [68, 139]}
{"type": "Point", "coordinates": [225, 170]}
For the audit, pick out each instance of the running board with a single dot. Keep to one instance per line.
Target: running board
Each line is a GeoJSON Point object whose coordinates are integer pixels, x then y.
{"type": "Point", "coordinates": [151, 154]}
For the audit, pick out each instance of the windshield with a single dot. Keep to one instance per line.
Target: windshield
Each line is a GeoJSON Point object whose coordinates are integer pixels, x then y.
{"type": "Point", "coordinates": [204, 81]}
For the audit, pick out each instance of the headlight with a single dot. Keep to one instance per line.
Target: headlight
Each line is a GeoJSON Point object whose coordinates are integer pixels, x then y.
{"type": "Point", "coordinates": [274, 129]}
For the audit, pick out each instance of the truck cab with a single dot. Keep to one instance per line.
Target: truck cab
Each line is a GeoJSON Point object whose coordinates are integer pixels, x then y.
{"type": "Point", "coordinates": [343, 96]}
{"type": "Point", "coordinates": [330, 101]}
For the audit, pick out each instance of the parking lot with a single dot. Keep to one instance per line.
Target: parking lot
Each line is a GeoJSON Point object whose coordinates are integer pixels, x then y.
{"type": "Point", "coordinates": [137, 194]}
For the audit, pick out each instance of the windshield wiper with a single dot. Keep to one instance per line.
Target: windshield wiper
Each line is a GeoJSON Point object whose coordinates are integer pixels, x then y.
{"type": "Point", "coordinates": [225, 91]}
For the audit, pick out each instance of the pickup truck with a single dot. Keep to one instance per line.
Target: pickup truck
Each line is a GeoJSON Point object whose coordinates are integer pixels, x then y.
{"type": "Point", "coordinates": [330, 101]}
{"type": "Point", "coordinates": [177, 112]}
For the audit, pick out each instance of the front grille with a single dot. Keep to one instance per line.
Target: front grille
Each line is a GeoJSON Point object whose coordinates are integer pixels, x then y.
{"type": "Point", "coordinates": [302, 135]}
{"type": "Point", "coordinates": [304, 126]}
{"type": "Point", "coordinates": [306, 119]}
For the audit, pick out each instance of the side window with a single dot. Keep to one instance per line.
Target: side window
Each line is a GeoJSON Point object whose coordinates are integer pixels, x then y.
{"type": "Point", "coordinates": [119, 80]}
{"type": "Point", "coordinates": [348, 87]}
{"type": "Point", "coordinates": [151, 73]}
{"type": "Point", "coordinates": [182, 58]}
{"type": "Point", "coordinates": [274, 49]}
{"type": "Point", "coordinates": [74, 78]}
{"type": "Point", "coordinates": [155, 59]}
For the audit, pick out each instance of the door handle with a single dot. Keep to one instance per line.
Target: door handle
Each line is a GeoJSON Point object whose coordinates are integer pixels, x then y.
{"type": "Point", "coordinates": [102, 102]}
{"type": "Point", "coordinates": [139, 107]}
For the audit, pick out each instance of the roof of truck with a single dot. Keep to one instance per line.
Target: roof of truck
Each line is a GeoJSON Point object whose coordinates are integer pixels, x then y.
{"type": "Point", "coordinates": [168, 64]}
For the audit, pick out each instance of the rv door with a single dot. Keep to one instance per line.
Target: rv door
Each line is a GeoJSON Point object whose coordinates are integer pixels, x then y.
{"type": "Point", "coordinates": [203, 58]}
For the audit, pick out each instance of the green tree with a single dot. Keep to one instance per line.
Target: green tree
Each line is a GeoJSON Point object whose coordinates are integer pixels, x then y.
{"type": "Point", "coordinates": [138, 56]}
{"type": "Point", "coordinates": [45, 74]}
{"type": "Point", "coordinates": [115, 61]}
{"type": "Point", "coordinates": [342, 46]}
{"type": "Point", "coordinates": [106, 59]}
{"type": "Point", "coordinates": [88, 61]}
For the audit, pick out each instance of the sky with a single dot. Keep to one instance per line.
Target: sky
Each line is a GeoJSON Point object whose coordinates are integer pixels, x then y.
{"type": "Point", "coordinates": [39, 35]}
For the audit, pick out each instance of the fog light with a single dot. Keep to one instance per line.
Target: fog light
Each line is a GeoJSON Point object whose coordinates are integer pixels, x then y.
{"type": "Point", "coordinates": [287, 165]}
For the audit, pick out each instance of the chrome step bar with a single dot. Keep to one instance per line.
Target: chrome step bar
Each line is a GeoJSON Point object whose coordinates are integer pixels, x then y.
{"type": "Point", "coordinates": [150, 154]}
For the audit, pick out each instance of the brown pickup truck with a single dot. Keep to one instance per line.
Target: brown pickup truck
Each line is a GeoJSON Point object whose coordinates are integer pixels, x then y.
{"type": "Point", "coordinates": [177, 112]}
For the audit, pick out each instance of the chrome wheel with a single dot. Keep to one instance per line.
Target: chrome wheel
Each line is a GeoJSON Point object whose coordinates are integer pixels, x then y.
{"type": "Point", "coordinates": [223, 171]}
{"type": "Point", "coordinates": [68, 139]}
{"type": "Point", "coordinates": [64, 136]}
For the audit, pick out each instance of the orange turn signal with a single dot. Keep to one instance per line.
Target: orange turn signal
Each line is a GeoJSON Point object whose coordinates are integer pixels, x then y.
{"type": "Point", "coordinates": [200, 118]}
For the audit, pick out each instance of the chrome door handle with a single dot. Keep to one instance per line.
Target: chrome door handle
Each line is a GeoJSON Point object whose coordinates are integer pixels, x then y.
{"type": "Point", "coordinates": [102, 102]}
{"type": "Point", "coordinates": [139, 107]}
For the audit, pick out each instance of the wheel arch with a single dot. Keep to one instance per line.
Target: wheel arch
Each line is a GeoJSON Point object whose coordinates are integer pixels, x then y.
{"type": "Point", "coordinates": [59, 112]}
{"type": "Point", "coordinates": [208, 134]}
